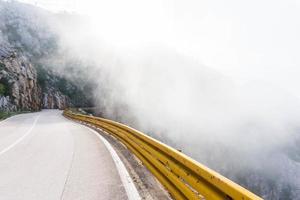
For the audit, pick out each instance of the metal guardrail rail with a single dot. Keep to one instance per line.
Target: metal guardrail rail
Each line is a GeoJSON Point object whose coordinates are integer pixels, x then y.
{"type": "Point", "coordinates": [182, 176]}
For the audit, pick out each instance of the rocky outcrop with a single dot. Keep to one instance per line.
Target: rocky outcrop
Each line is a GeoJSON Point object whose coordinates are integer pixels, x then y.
{"type": "Point", "coordinates": [21, 89]}
{"type": "Point", "coordinates": [35, 72]}
{"type": "Point", "coordinates": [18, 79]}
{"type": "Point", "coordinates": [53, 99]}
{"type": "Point", "coordinates": [6, 105]}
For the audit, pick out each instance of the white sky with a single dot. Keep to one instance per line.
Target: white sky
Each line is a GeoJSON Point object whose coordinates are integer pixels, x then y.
{"type": "Point", "coordinates": [247, 40]}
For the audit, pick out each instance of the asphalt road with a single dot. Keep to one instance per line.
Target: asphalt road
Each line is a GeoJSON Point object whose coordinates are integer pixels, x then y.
{"type": "Point", "coordinates": [46, 156]}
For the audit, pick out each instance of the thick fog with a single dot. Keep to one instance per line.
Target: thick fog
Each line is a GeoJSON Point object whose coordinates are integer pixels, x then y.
{"type": "Point", "coordinates": [218, 80]}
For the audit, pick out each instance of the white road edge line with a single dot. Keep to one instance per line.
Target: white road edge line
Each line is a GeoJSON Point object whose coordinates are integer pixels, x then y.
{"type": "Point", "coordinates": [21, 138]}
{"type": "Point", "coordinates": [126, 179]}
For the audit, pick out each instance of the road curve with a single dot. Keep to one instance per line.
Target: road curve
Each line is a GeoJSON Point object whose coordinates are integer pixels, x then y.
{"type": "Point", "coordinates": [46, 156]}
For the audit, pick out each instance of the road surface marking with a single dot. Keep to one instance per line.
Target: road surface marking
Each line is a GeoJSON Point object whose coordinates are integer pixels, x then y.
{"type": "Point", "coordinates": [129, 186]}
{"type": "Point", "coordinates": [21, 138]}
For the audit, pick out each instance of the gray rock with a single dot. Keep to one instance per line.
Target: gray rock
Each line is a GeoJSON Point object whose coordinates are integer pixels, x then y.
{"type": "Point", "coordinates": [20, 77]}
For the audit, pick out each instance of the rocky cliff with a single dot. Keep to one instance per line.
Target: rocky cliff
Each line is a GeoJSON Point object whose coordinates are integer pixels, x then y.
{"type": "Point", "coordinates": [18, 82]}
{"type": "Point", "coordinates": [53, 99]}
{"type": "Point", "coordinates": [20, 88]}
{"type": "Point", "coordinates": [31, 60]}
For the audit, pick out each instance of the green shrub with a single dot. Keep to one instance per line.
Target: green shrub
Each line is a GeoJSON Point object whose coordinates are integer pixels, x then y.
{"type": "Point", "coordinates": [2, 66]}
{"type": "Point", "coordinates": [3, 89]}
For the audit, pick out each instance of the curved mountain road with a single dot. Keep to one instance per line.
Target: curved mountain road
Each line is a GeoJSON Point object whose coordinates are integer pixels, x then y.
{"type": "Point", "coordinates": [46, 156]}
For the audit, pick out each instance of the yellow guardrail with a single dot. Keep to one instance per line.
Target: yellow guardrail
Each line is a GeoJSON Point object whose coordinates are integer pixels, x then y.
{"type": "Point", "coordinates": [182, 176]}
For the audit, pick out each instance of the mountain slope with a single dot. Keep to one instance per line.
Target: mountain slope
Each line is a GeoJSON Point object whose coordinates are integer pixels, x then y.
{"type": "Point", "coordinates": [30, 79]}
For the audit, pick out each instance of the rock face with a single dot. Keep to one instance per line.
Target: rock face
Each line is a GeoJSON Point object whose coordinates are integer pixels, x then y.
{"type": "Point", "coordinates": [35, 71]}
{"type": "Point", "coordinates": [20, 87]}
{"type": "Point", "coordinates": [18, 79]}
{"type": "Point", "coordinates": [53, 99]}
{"type": "Point", "coordinates": [6, 105]}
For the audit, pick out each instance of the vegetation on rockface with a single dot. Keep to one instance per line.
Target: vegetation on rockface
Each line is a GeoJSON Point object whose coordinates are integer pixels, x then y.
{"type": "Point", "coordinates": [4, 86]}
{"type": "Point", "coordinates": [2, 66]}
{"type": "Point", "coordinates": [3, 89]}
{"type": "Point", "coordinates": [79, 94]}
{"type": "Point", "coordinates": [41, 77]}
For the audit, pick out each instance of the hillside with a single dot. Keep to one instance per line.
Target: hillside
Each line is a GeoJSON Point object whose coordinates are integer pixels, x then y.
{"type": "Point", "coordinates": [29, 58]}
